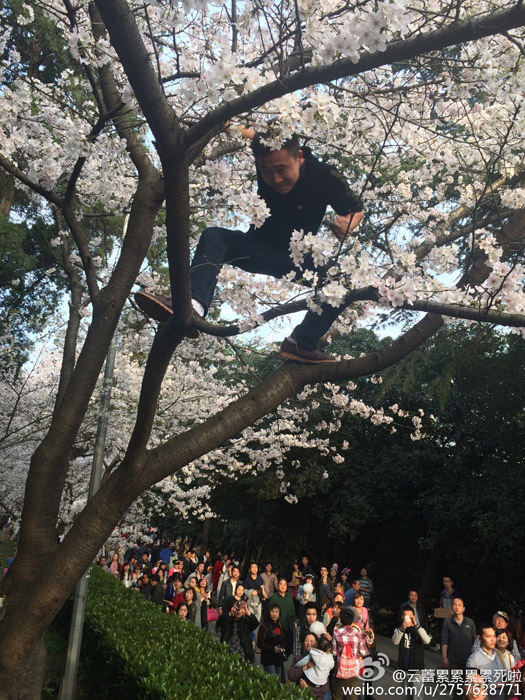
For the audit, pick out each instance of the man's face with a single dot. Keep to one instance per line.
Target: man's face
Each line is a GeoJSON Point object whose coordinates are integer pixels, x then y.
{"type": "Point", "coordinates": [364, 573]}
{"type": "Point", "coordinates": [324, 571]}
{"type": "Point", "coordinates": [457, 606]}
{"type": "Point", "coordinates": [280, 169]}
{"type": "Point", "coordinates": [254, 569]}
{"type": "Point", "coordinates": [235, 573]}
{"type": "Point", "coordinates": [178, 584]}
{"type": "Point", "coordinates": [200, 567]}
{"type": "Point", "coordinates": [447, 582]}
{"type": "Point", "coordinates": [310, 616]}
{"type": "Point", "coordinates": [282, 586]}
{"type": "Point", "coordinates": [305, 561]}
{"type": "Point", "coordinates": [488, 639]}
{"type": "Point", "coordinates": [412, 597]}
{"type": "Point", "coordinates": [274, 614]}
{"type": "Point", "coordinates": [144, 558]}
{"type": "Point", "coordinates": [102, 561]}
{"type": "Point", "coordinates": [268, 568]}
{"type": "Point", "coordinates": [500, 623]}
{"type": "Point", "coordinates": [356, 585]}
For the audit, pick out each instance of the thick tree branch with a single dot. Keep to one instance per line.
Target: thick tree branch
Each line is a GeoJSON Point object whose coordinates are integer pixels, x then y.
{"type": "Point", "coordinates": [396, 52]}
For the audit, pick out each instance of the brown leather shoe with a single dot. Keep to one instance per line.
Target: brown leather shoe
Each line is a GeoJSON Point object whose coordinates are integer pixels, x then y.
{"type": "Point", "coordinates": [292, 351]}
{"type": "Point", "coordinates": [158, 307]}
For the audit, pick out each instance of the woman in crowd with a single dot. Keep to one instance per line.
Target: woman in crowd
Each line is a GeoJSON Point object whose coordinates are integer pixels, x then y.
{"type": "Point", "coordinates": [205, 602]}
{"type": "Point", "coordinates": [126, 575]}
{"type": "Point", "coordinates": [114, 567]}
{"type": "Point", "coordinates": [504, 650]}
{"type": "Point", "coordinates": [271, 641]}
{"type": "Point", "coordinates": [333, 575]}
{"type": "Point", "coordinates": [190, 598]}
{"type": "Point", "coordinates": [182, 612]}
{"type": "Point", "coordinates": [295, 674]}
{"type": "Point", "coordinates": [345, 579]}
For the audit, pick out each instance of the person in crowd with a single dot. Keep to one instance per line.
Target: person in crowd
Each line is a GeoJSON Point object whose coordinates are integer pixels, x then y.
{"type": "Point", "coordinates": [500, 621]}
{"type": "Point", "coordinates": [309, 617]}
{"type": "Point", "coordinates": [236, 630]}
{"type": "Point", "coordinates": [189, 563]}
{"type": "Point", "coordinates": [218, 568]}
{"type": "Point", "coordinates": [411, 638]}
{"type": "Point", "coordinates": [197, 574]}
{"type": "Point", "coordinates": [486, 660]}
{"type": "Point", "coordinates": [335, 620]}
{"type": "Point", "coordinates": [240, 594]}
{"type": "Point", "coordinates": [205, 602]}
{"type": "Point", "coordinates": [517, 631]}
{"type": "Point", "coordinates": [458, 634]}
{"type": "Point", "coordinates": [475, 688]}
{"type": "Point", "coordinates": [305, 566]}
{"type": "Point", "coordinates": [295, 673]}
{"type": "Point", "coordinates": [286, 605]}
{"type": "Point", "coordinates": [325, 593]}
{"type": "Point", "coordinates": [182, 612]}
{"type": "Point", "coordinates": [271, 641]}
{"type": "Point", "coordinates": [417, 608]}
{"type": "Point", "coordinates": [145, 562]}
{"type": "Point", "coordinates": [366, 586]}
{"type": "Point", "coordinates": [177, 594]}
{"type": "Point", "coordinates": [349, 648]}
{"type": "Point", "coordinates": [145, 587]}
{"type": "Point", "coordinates": [190, 598]}
{"type": "Point", "coordinates": [228, 587]}
{"type": "Point", "coordinates": [333, 574]}
{"type": "Point", "coordinates": [166, 553]}
{"type": "Point", "coordinates": [103, 564]}
{"type": "Point", "coordinates": [355, 585]}
{"type": "Point", "coordinates": [363, 621]}
{"type": "Point", "coordinates": [317, 665]}
{"type": "Point", "coordinates": [306, 596]}
{"type": "Point", "coordinates": [114, 567]}
{"type": "Point", "coordinates": [296, 579]}
{"type": "Point", "coordinates": [253, 585]}
{"type": "Point", "coordinates": [269, 580]}
{"type": "Point", "coordinates": [156, 594]}
{"type": "Point", "coordinates": [328, 613]}
{"type": "Point", "coordinates": [126, 575]}
{"type": "Point", "coordinates": [345, 579]}
{"type": "Point", "coordinates": [447, 594]}
{"type": "Point", "coordinates": [504, 647]}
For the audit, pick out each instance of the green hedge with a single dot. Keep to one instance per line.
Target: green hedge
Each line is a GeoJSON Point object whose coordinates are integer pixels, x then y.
{"type": "Point", "coordinates": [131, 649]}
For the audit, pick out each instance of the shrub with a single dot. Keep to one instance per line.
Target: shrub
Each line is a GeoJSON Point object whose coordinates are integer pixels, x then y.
{"type": "Point", "coordinates": [132, 649]}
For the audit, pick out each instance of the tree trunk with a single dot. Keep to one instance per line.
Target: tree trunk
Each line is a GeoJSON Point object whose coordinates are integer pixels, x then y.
{"type": "Point", "coordinates": [22, 660]}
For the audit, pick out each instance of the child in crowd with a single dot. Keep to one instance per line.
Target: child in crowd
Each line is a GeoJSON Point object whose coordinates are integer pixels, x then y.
{"type": "Point", "coordinates": [317, 664]}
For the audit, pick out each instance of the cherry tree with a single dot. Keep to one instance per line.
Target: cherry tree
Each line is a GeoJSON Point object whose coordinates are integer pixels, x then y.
{"type": "Point", "coordinates": [136, 141]}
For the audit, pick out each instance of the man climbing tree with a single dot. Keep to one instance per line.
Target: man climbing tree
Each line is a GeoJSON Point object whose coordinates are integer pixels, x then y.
{"type": "Point", "coordinates": [296, 188]}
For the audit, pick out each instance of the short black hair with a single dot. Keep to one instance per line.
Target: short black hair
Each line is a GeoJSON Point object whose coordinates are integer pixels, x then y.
{"type": "Point", "coordinates": [485, 626]}
{"type": "Point", "coordinates": [291, 145]}
{"type": "Point", "coordinates": [323, 644]}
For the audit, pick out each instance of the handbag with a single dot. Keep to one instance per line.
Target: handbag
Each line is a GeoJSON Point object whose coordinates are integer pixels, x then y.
{"type": "Point", "coordinates": [213, 615]}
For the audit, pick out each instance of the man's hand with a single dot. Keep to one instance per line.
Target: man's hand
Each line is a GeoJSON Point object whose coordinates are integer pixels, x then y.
{"type": "Point", "coordinates": [343, 225]}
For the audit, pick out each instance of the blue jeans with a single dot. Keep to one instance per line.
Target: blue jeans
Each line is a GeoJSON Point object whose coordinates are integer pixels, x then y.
{"type": "Point", "coordinates": [253, 253]}
{"type": "Point", "coordinates": [274, 670]}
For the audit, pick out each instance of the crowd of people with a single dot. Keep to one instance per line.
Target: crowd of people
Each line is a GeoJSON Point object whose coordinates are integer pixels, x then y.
{"type": "Point", "coordinates": [321, 620]}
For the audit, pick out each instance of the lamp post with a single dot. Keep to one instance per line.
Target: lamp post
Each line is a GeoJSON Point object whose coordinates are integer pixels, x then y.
{"type": "Point", "coordinates": [69, 682]}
